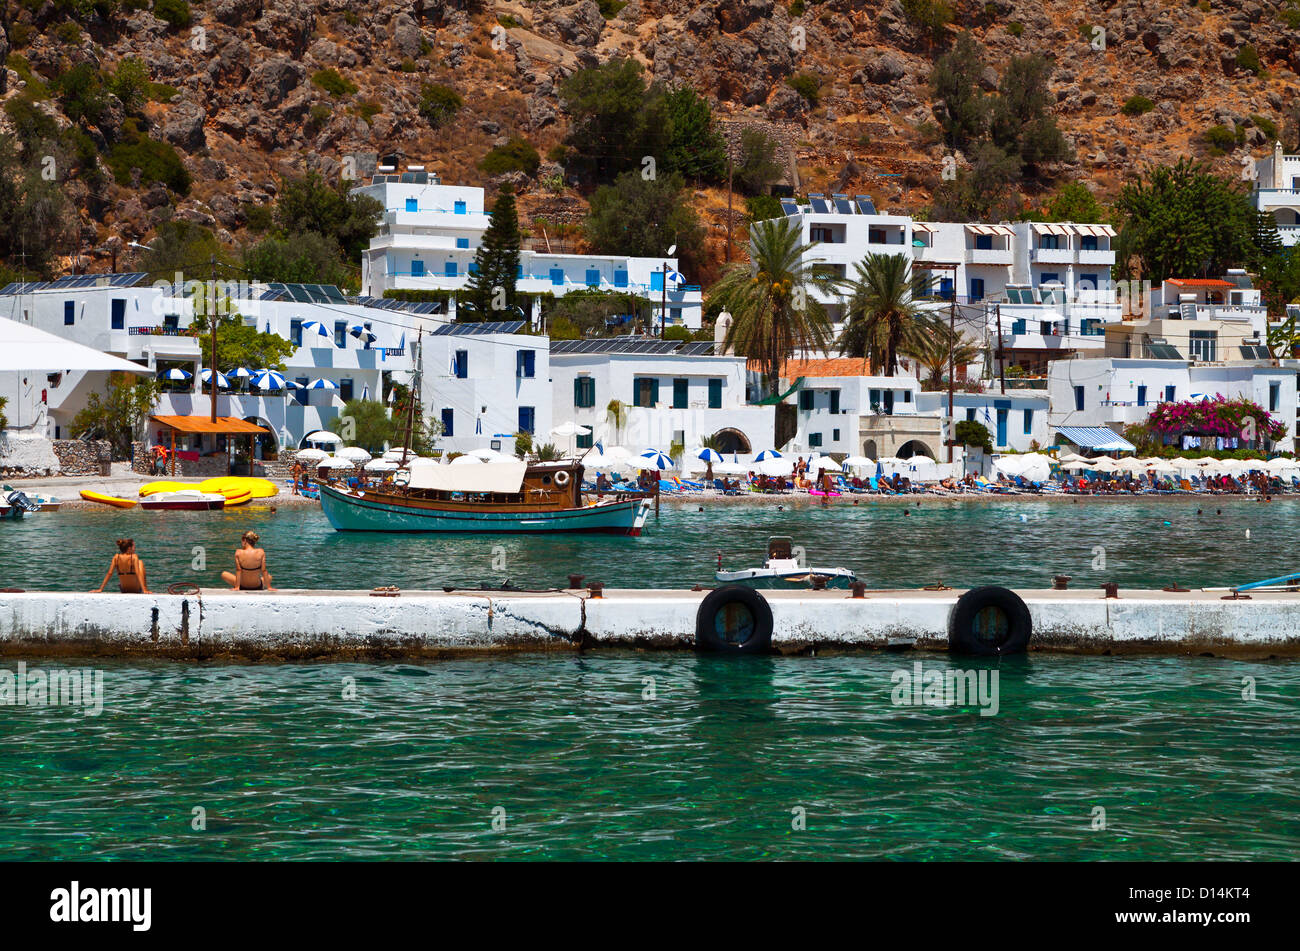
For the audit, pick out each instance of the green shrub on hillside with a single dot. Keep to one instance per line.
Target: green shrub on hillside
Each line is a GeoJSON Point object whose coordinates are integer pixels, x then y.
{"type": "Point", "coordinates": [174, 12]}
{"type": "Point", "coordinates": [333, 83]}
{"type": "Point", "coordinates": [1248, 60]}
{"type": "Point", "coordinates": [516, 155]}
{"type": "Point", "coordinates": [806, 85]}
{"type": "Point", "coordinates": [1137, 105]}
{"type": "Point", "coordinates": [157, 161]}
{"type": "Point", "coordinates": [439, 104]}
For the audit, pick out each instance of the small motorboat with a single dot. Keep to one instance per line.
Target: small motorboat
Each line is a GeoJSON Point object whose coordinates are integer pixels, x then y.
{"type": "Point", "coordinates": [17, 504]}
{"type": "Point", "coordinates": [183, 501]}
{"type": "Point", "coordinates": [783, 570]}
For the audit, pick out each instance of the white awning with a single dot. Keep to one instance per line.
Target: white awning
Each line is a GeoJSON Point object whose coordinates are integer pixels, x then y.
{"type": "Point", "coordinates": [923, 226]}
{"type": "Point", "coordinates": [1044, 227]}
{"type": "Point", "coordinates": [24, 348]}
{"type": "Point", "coordinates": [504, 477]}
{"type": "Point", "coordinates": [1005, 230]}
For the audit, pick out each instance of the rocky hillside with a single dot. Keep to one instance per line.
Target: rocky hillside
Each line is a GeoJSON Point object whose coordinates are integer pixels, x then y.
{"type": "Point", "coordinates": [243, 93]}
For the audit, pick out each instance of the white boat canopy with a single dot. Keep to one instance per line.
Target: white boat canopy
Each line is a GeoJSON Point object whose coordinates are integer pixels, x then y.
{"type": "Point", "coordinates": [506, 476]}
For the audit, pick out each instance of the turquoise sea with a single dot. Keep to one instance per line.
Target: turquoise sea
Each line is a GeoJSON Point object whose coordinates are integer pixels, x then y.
{"type": "Point", "coordinates": [630, 755]}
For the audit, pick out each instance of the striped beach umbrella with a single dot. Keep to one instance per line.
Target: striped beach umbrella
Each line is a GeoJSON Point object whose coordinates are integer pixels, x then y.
{"type": "Point", "coordinates": [320, 383]}
{"type": "Point", "coordinates": [175, 375]}
{"type": "Point", "coordinates": [709, 455]}
{"type": "Point", "coordinates": [654, 459]}
{"type": "Point", "coordinates": [268, 380]}
{"type": "Point", "coordinates": [767, 454]}
{"type": "Point", "coordinates": [315, 328]}
{"type": "Point", "coordinates": [362, 332]}
{"type": "Point", "coordinates": [223, 383]}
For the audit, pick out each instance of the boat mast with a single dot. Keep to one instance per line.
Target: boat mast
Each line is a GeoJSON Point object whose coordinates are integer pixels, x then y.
{"type": "Point", "coordinates": [412, 396]}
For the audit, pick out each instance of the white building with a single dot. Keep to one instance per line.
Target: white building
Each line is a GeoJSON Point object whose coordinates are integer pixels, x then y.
{"type": "Point", "coordinates": [1277, 191]}
{"type": "Point", "coordinates": [673, 392]}
{"type": "Point", "coordinates": [1114, 392]}
{"type": "Point", "coordinates": [429, 233]}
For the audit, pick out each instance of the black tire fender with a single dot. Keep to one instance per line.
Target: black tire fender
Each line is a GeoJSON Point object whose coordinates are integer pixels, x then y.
{"type": "Point", "coordinates": [734, 619]}
{"type": "Point", "coordinates": [988, 622]}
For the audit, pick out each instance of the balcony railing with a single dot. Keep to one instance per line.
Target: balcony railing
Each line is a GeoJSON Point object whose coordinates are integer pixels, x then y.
{"type": "Point", "coordinates": [162, 332]}
{"type": "Point", "coordinates": [1052, 255]}
{"type": "Point", "coordinates": [989, 255]}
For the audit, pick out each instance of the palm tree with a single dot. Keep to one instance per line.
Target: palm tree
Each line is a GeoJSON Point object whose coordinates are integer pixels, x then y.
{"type": "Point", "coordinates": [773, 312]}
{"type": "Point", "coordinates": [616, 413]}
{"type": "Point", "coordinates": [936, 347]}
{"type": "Point", "coordinates": [882, 311]}
{"type": "Point", "coordinates": [546, 452]}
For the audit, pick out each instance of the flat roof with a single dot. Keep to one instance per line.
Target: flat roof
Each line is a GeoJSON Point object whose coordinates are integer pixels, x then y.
{"type": "Point", "coordinates": [225, 425]}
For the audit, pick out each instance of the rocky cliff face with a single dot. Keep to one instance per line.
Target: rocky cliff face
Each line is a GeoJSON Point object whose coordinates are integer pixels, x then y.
{"type": "Point", "coordinates": [248, 105]}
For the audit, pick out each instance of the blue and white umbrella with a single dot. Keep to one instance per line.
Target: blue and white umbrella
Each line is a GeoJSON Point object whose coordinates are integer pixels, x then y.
{"type": "Point", "coordinates": [223, 382]}
{"type": "Point", "coordinates": [709, 455]}
{"type": "Point", "coordinates": [361, 331]}
{"type": "Point", "coordinates": [268, 380]}
{"type": "Point", "coordinates": [315, 327]}
{"type": "Point", "coordinates": [175, 375]}
{"type": "Point", "coordinates": [767, 454]}
{"type": "Point", "coordinates": [241, 373]}
{"type": "Point", "coordinates": [657, 460]}
{"type": "Point", "coordinates": [320, 383]}
{"type": "Point", "coordinates": [675, 277]}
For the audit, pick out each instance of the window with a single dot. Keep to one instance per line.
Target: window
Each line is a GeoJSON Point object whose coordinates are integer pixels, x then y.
{"type": "Point", "coordinates": [814, 439]}
{"type": "Point", "coordinates": [946, 288]}
{"type": "Point", "coordinates": [875, 401]}
{"type": "Point", "coordinates": [412, 204]}
{"type": "Point", "coordinates": [462, 242]}
{"type": "Point", "coordinates": [527, 419]}
{"type": "Point", "coordinates": [69, 312]}
{"type": "Point", "coordinates": [984, 242]}
{"type": "Point", "coordinates": [448, 421]}
{"type": "Point", "coordinates": [889, 402]}
{"type": "Point", "coordinates": [675, 314]}
{"type": "Point", "coordinates": [417, 268]}
{"type": "Point", "coordinates": [584, 392]}
{"type": "Point", "coordinates": [970, 414]}
{"type": "Point", "coordinates": [1169, 394]}
{"type": "Point", "coordinates": [472, 267]}
{"type": "Point", "coordinates": [877, 236]}
{"type": "Point", "coordinates": [907, 395]}
{"type": "Point", "coordinates": [525, 363]}
{"type": "Point", "coordinates": [458, 208]}
{"type": "Point", "coordinates": [295, 331]}
{"type": "Point", "coordinates": [620, 278]}
{"type": "Point", "coordinates": [1203, 344]}
{"type": "Point", "coordinates": [585, 442]}
{"type": "Point", "coordinates": [1049, 277]}
{"type": "Point", "coordinates": [1029, 421]}
{"type": "Point", "coordinates": [345, 389]}
{"type": "Point", "coordinates": [835, 401]}
{"type": "Point", "coordinates": [1142, 396]}
{"type": "Point", "coordinates": [1089, 242]}
{"type": "Point", "coordinates": [451, 270]}
{"type": "Point", "coordinates": [715, 394]}
{"type": "Point", "coordinates": [645, 391]}
{"type": "Point", "coordinates": [820, 233]}
{"type": "Point", "coordinates": [1090, 282]}
{"type": "Point", "coordinates": [593, 277]}
{"type": "Point", "coordinates": [460, 364]}
{"type": "Point", "coordinates": [835, 435]}
{"type": "Point", "coordinates": [1078, 398]}
{"type": "Point", "coordinates": [1017, 328]}
{"type": "Point", "coordinates": [557, 276]}
{"type": "Point", "coordinates": [977, 288]}
{"type": "Point", "coordinates": [340, 333]}
{"type": "Point", "coordinates": [118, 318]}
{"type": "Point", "coordinates": [681, 390]}
{"type": "Point", "coordinates": [806, 398]}
{"type": "Point", "coordinates": [1049, 242]}
{"type": "Point", "coordinates": [1046, 328]}
{"type": "Point", "coordinates": [1274, 396]}
{"type": "Point", "coordinates": [171, 321]}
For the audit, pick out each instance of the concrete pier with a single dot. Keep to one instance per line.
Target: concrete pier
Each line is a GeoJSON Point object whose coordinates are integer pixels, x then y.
{"type": "Point", "coordinates": [355, 624]}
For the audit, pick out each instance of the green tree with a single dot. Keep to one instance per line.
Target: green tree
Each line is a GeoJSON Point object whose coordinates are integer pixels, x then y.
{"type": "Point", "coordinates": [1183, 221]}
{"type": "Point", "coordinates": [643, 218]}
{"type": "Point", "coordinates": [491, 287]}
{"type": "Point", "coordinates": [773, 309]}
{"type": "Point", "coordinates": [589, 310]}
{"type": "Point", "coordinates": [970, 433]}
{"type": "Point", "coordinates": [756, 166]}
{"type": "Point", "coordinates": [183, 247]}
{"type": "Point", "coordinates": [130, 83]}
{"type": "Point", "coordinates": [38, 221]}
{"type": "Point", "coordinates": [1022, 123]}
{"type": "Point", "coordinates": [615, 119]}
{"type": "Point", "coordinates": [1279, 278]}
{"type": "Point", "coordinates": [81, 94]}
{"type": "Point", "coordinates": [117, 414]}
{"type": "Point", "coordinates": [239, 345]}
{"type": "Point", "coordinates": [309, 258]}
{"type": "Point", "coordinates": [439, 104]}
{"type": "Point", "coordinates": [157, 162]}
{"type": "Point", "coordinates": [984, 192]}
{"type": "Point", "coordinates": [931, 346]}
{"type": "Point", "coordinates": [373, 429]}
{"type": "Point", "coordinates": [694, 149]}
{"type": "Point", "coordinates": [308, 203]}
{"type": "Point", "coordinates": [882, 313]}
{"type": "Point", "coordinates": [1073, 201]}
{"type": "Point", "coordinates": [955, 86]}
{"type": "Point", "coordinates": [517, 155]}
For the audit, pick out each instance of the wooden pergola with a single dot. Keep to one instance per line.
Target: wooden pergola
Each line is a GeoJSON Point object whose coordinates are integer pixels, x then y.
{"type": "Point", "coordinates": [204, 425]}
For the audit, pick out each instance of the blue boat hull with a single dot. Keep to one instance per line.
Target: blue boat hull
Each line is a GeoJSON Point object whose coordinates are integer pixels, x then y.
{"type": "Point", "coordinates": [349, 512]}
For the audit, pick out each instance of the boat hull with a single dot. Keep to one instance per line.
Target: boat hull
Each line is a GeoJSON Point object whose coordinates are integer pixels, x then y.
{"type": "Point", "coordinates": [768, 580]}
{"type": "Point", "coordinates": [349, 512]}
{"type": "Point", "coordinates": [183, 505]}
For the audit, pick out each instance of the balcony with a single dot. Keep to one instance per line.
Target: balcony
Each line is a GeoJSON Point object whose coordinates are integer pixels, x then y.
{"type": "Point", "coordinates": [1052, 256]}
{"type": "Point", "coordinates": [926, 254]}
{"type": "Point", "coordinates": [995, 256]}
{"type": "Point", "coordinates": [1103, 256]}
{"type": "Point", "coordinates": [1268, 198]}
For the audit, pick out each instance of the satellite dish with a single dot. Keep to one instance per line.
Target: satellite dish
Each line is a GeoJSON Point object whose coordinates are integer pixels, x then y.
{"type": "Point", "coordinates": [672, 250]}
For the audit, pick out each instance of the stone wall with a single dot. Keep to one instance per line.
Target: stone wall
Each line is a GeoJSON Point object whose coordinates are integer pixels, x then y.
{"type": "Point", "coordinates": [26, 455]}
{"type": "Point", "coordinates": [82, 457]}
{"type": "Point", "coordinates": [205, 467]}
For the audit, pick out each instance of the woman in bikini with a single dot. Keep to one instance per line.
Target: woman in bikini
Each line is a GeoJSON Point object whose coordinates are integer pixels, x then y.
{"type": "Point", "coordinates": [129, 568]}
{"type": "Point", "coordinates": [250, 572]}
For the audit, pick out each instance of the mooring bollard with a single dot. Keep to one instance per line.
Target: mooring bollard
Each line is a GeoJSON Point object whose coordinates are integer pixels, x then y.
{"type": "Point", "coordinates": [575, 581]}
{"type": "Point", "coordinates": [1111, 588]}
{"type": "Point", "coordinates": [859, 589]}
{"type": "Point", "coordinates": [596, 589]}
{"type": "Point", "coordinates": [1060, 582]}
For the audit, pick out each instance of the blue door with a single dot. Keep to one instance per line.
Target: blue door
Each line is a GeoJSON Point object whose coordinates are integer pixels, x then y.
{"type": "Point", "coordinates": [656, 280]}
{"type": "Point", "coordinates": [526, 419]}
{"type": "Point", "coordinates": [945, 288]}
{"type": "Point", "coordinates": [977, 288]}
{"type": "Point", "coordinates": [417, 269]}
{"type": "Point", "coordinates": [1002, 427]}
{"type": "Point", "coordinates": [448, 421]}
{"type": "Point", "coordinates": [1142, 396]}
{"type": "Point", "coordinates": [459, 208]}
{"type": "Point", "coordinates": [620, 278]}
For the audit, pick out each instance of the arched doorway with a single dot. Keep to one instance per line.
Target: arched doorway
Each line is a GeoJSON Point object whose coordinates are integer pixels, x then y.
{"type": "Point", "coordinates": [265, 445]}
{"type": "Point", "coordinates": [914, 447]}
{"type": "Point", "coordinates": [869, 449]}
{"type": "Point", "coordinates": [731, 440]}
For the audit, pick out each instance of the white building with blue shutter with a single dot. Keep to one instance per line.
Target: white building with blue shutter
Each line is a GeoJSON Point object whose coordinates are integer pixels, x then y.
{"type": "Point", "coordinates": [429, 233]}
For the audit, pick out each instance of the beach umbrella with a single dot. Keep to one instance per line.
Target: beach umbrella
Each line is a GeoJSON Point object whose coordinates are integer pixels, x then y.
{"type": "Point", "coordinates": [1165, 466]}
{"type": "Point", "coordinates": [709, 455]}
{"type": "Point", "coordinates": [268, 380]}
{"type": "Point", "coordinates": [1070, 457]}
{"type": "Point", "coordinates": [240, 373]}
{"type": "Point", "coordinates": [466, 460]}
{"type": "Point", "coordinates": [322, 436]}
{"type": "Point", "coordinates": [381, 465]}
{"type": "Point", "coordinates": [355, 453]}
{"type": "Point", "coordinates": [175, 375]}
{"type": "Point", "coordinates": [857, 462]}
{"type": "Point", "coordinates": [397, 453]}
{"type": "Point", "coordinates": [222, 382]}
{"type": "Point", "coordinates": [361, 332]}
{"type": "Point", "coordinates": [320, 383]}
{"type": "Point", "coordinates": [654, 459]}
{"type": "Point", "coordinates": [486, 455]}
{"type": "Point", "coordinates": [316, 328]}
{"type": "Point", "coordinates": [310, 455]}
{"type": "Point", "coordinates": [767, 454]}
{"type": "Point", "coordinates": [336, 462]}
{"type": "Point", "coordinates": [730, 468]}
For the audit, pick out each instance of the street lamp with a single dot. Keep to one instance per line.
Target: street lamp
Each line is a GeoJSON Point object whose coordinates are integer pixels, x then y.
{"type": "Point", "coordinates": [663, 306]}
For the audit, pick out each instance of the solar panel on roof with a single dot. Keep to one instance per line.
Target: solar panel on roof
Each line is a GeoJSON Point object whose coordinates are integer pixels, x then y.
{"type": "Point", "coordinates": [789, 206]}
{"type": "Point", "coordinates": [865, 205]}
{"type": "Point", "coordinates": [697, 348]}
{"type": "Point", "coordinates": [842, 204]}
{"type": "Point", "coordinates": [818, 204]}
{"type": "Point", "coordinates": [130, 279]}
{"type": "Point", "coordinates": [1254, 352]}
{"type": "Point", "coordinates": [1164, 351]}
{"type": "Point", "coordinates": [10, 289]}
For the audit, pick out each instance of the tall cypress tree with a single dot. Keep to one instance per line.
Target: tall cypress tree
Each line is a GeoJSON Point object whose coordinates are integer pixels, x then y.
{"type": "Point", "coordinates": [492, 288]}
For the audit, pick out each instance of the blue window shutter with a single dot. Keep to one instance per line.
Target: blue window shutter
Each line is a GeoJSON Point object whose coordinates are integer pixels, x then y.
{"type": "Point", "coordinates": [656, 280]}
{"type": "Point", "coordinates": [620, 278]}
{"type": "Point", "coordinates": [451, 269]}
{"type": "Point", "coordinates": [459, 208]}
{"type": "Point", "coordinates": [462, 242]}
{"type": "Point", "coordinates": [417, 269]}
{"type": "Point", "coordinates": [654, 391]}
{"type": "Point", "coordinates": [119, 313]}
{"type": "Point", "coordinates": [519, 273]}
{"type": "Point", "coordinates": [715, 394]}
{"type": "Point", "coordinates": [593, 277]}
{"type": "Point", "coordinates": [577, 391]}
{"type": "Point", "coordinates": [473, 267]}
{"type": "Point", "coordinates": [557, 276]}
{"type": "Point", "coordinates": [448, 421]}
{"type": "Point", "coordinates": [412, 204]}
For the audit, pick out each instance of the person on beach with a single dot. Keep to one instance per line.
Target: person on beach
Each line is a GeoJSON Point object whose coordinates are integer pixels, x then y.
{"type": "Point", "coordinates": [129, 568]}
{"type": "Point", "coordinates": [297, 476]}
{"type": "Point", "coordinates": [250, 572]}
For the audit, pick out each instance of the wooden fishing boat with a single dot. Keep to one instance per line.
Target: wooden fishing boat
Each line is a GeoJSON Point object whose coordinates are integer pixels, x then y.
{"type": "Point", "coordinates": [491, 497]}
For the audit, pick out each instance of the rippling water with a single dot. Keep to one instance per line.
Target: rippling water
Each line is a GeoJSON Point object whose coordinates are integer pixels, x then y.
{"type": "Point", "coordinates": [568, 751]}
{"type": "Point", "coordinates": [1142, 542]}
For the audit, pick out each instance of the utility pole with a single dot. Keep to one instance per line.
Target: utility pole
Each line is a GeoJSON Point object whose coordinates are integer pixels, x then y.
{"type": "Point", "coordinates": [1002, 375]}
{"type": "Point", "coordinates": [726, 249]}
{"type": "Point", "coordinates": [663, 307]}
{"type": "Point", "coordinates": [952, 347]}
{"type": "Point", "coordinates": [209, 306]}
